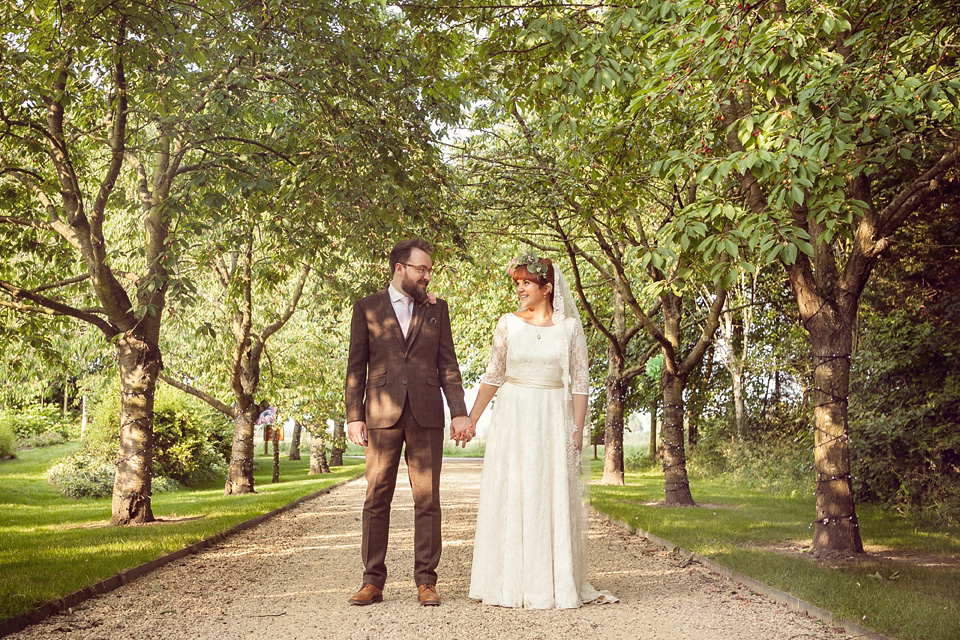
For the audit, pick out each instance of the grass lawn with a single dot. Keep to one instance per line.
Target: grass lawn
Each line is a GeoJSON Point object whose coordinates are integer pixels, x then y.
{"type": "Point", "coordinates": [51, 545]}
{"type": "Point", "coordinates": [739, 527]}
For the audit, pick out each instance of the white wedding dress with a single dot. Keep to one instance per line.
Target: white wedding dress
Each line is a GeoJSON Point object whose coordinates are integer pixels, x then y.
{"type": "Point", "coordinates": [530, 544]}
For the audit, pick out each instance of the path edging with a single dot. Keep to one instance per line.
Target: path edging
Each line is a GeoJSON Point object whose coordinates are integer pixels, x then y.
{"type": "Point", "coordinates": [780, 597]}
{"type": "Point", "coordinates": [59, 605]}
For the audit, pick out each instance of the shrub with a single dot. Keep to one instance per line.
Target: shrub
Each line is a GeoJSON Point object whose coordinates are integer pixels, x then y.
{"type": "Point", "coordinates": [85, 475]}
{"type": "Point", "coordinates": [191, 442]}
{"type": "Point", "coordinates": [639, 460]}
{"type": "Point", "coordinates": [82, 475]}
{"type": "Point", "coordinates": [7, 440]}
{"type": "Point", "coordinates": [905, 418]}
{"type": "Point", "coordinates": [37, 425]}
{"type": "Point", "coordinates": [31, 420]}
{"type": "Point", "coordinates": [183, 449]}
{"type": "Point", "coordinates": [781, 465]}
{"type": "Point", "coordinates": [45, 439]}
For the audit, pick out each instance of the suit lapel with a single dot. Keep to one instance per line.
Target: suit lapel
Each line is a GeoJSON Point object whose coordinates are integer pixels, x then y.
{"type": "Point", "coordinates": [390, 316]}
{"type": "Point", "coordinates": [418, 312]}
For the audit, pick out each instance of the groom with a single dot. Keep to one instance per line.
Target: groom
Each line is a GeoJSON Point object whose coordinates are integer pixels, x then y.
{"type": "Point", "coordinates": [401, 357]}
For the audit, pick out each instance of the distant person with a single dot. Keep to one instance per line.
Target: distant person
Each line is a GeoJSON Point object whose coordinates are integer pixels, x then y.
{"type": "Point", "coordinates": [401, 357]}
{"type": "Point", "coordinates": [530, 543]}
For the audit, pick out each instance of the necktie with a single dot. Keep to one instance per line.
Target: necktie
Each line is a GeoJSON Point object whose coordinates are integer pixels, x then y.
{"type": "Point", "coordinates": [405, 314]}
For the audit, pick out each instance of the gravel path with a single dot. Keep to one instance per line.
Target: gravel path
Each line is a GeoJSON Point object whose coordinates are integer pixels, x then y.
{"type": "Point", "coordinates": [291, 576]}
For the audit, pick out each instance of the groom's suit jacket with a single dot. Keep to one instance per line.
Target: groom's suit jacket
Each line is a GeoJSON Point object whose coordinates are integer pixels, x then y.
{"type": "Point", "coordinates": [384, 370]}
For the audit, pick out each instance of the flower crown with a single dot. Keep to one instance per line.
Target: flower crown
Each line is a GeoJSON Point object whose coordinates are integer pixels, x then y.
{"type": "Point", "coordinates": [532, 263]}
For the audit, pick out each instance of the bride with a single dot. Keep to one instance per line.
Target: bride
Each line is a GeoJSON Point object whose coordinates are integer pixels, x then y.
{"type": "Point", "coordinates": [530, 543]}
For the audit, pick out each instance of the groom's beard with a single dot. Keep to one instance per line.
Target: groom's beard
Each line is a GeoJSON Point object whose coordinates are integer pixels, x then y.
{"type": "Point", "coordinates": [415, 288]}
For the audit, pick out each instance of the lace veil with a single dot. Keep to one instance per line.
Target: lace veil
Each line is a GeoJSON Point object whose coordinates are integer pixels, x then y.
{"type": "Point", "coordinates": [566, 314]}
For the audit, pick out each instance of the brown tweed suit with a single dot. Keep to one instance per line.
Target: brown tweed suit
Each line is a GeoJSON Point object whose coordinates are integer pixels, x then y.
{"type": "Point", "coordinates": [394, 385]}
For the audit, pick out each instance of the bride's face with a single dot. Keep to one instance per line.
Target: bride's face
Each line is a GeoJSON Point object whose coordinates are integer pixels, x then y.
{"type": "Point", "coordinates": [531, 294]}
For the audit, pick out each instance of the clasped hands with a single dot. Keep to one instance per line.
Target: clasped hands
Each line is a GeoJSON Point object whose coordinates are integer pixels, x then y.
{"type": "Point", "coordinates": [462, 430]}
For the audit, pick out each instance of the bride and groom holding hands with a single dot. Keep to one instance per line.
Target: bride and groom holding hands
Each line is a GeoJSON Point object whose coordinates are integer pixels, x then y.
{"type": "Point", "coordinates": [530, 541]}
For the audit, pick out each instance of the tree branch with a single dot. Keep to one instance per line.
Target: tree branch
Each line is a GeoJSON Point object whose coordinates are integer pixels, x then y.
{"type": "Point", "coordinates": [220, 406]}
{"type": "Point", "coordinates": [291, 305]}
{"type": "Point", "coordinates": [56, 308]}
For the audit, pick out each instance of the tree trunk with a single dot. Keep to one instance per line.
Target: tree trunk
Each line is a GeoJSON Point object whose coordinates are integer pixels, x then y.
{"type": "Point", "coordinates": [276, 455]}
{"type": "Point", "coordinates": [836, 527]}
{"type": "Point", "coordinates": [615, 399]}
{"type": "Point", "coordinates": [736, 339]}
{"type": "Point", "coordinates": [139, 363]}
{"type": "Point", "coordinates": [318, 457]}
{"type": "Point", "coordinates": [339, 442]}
{"type": "Point", "coordinates": [240, 472]}
{"type": "Point", "coordinates": [739, 405]}
{"type": "Point", "coordinates": [654, 449]}
{"type": "Point", "coordinates": [827, 301]}
{"type": "Point", "coordinates": [675, 483]}
{"type": "Point", "coordinates": [295, 441]}
{"type": "Point", "coordinates": [613, 430]}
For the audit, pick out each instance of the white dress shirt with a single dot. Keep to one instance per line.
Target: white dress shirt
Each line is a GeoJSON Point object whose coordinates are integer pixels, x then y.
{"type": "Point", "coordinates": [402, 306]}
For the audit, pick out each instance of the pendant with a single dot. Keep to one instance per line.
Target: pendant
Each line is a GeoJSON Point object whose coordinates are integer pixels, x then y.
{"type": "Point", "coordinates": [538, 336]}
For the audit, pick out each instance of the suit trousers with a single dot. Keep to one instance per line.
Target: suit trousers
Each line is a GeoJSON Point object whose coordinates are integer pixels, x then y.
{"type": "Point", "coordinates": [423, 453]}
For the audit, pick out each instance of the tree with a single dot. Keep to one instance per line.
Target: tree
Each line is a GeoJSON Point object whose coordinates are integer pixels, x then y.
{"type": "Point", "coordinates": [295, 441]}
{"type": "Point", "coordinates": [588, 168]}
{"type": "Point", "coordinates": [223, 102]}
{"type": "Point", "coordinates": [734, 348]}
{"type": "Point", "coordinates": [84, 95]}
{"type": "Point", "coordinates": [821, 130]}
{"type": "Point", "coordinates": [235, 274]}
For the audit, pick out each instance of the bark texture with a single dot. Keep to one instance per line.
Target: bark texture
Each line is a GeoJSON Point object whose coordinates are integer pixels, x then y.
{"type": "Point", "coordinates": [240, 472]}
{"type": "Point", "coordinates": [339, 440]}
{"type": "Point", "coordinates": [676, 485]}
{"type": "Point", "coordinates": [836, 527]}
{"type": "Point", "coordinates": [318, 458]}
{"type": "Point", "coordinates": [139, 364]}
{"type": "Point", "coordinates": [613, 420]}
{"type": "Point", "coordinates": [276, 457]}
{"type": "Point", "coordinates": [295, 441]}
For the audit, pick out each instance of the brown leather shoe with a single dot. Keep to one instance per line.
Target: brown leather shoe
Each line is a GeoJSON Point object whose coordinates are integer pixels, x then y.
{"type": "Point", "coordinates": [428, 595]}
{"type": "Point", "coordinates": [368, 594]}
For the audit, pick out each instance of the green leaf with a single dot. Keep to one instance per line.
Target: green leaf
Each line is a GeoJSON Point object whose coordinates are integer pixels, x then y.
{"type": "Point", "coordinates": [796, 194]}
{"type": "Point", "coordinates": [789, 254]}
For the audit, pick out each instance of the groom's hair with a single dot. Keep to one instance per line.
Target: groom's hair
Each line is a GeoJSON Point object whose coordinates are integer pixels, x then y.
{"type": "Point", "coordinates": [402, 250]}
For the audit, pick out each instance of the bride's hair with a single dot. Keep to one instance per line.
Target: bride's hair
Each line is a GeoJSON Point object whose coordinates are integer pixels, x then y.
{"type": "Point", "coordinates": [521, 272]}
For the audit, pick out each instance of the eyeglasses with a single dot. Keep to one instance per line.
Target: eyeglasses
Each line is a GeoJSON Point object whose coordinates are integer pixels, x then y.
{"type": "Point", "coordinates": [422, 270]}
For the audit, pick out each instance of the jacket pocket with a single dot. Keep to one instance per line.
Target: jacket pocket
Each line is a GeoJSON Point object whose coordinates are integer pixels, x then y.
{"type": "Point", "coordinates": [433, 382]}
{"type": "Point", "coordinates": [376, 380]}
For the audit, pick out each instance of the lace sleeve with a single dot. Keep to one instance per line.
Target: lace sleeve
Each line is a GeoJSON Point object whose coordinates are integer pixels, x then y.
{"type": "Point", "coordinates": [498, 355]}
{"type": "Point", "coordinates": [579, 361]}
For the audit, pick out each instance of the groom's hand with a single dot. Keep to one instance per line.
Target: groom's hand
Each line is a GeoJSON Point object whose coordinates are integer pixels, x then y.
{"type": "Point", "coordinates": [357, 432]}
{"type": "Point", "coordinates": [461, 430]}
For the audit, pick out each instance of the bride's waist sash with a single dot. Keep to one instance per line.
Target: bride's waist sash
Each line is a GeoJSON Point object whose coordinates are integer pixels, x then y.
{"type": "Point", "coordinates": [535, 383]}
